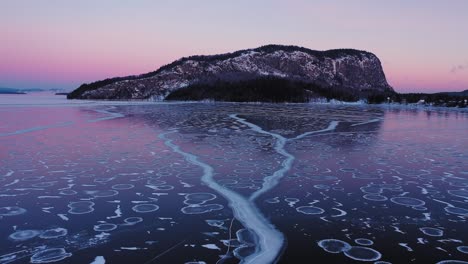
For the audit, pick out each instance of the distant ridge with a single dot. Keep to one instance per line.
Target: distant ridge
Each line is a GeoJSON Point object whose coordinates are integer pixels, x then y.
{"type": "Point", "coordinates": [10, 91]}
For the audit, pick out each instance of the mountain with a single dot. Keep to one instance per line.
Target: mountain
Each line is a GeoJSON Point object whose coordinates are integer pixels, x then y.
{"type": "Point", "coordinates": [354, 72]}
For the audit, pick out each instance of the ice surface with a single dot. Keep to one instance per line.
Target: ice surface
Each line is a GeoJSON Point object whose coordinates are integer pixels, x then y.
{"type": "Point", "coordinates": [139, 181]}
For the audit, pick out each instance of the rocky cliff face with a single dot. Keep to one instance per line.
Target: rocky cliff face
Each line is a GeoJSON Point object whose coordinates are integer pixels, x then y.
{"type": "Point", "coordinates": [348, 69]}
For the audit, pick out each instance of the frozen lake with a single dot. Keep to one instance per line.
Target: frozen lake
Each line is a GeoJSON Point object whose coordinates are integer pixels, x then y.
{"type": "Point", "coordinates": [112, 182]}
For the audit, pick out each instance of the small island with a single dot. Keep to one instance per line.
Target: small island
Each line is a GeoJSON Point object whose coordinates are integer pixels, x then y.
{"type": "Point", "coordinates": [271, 73]}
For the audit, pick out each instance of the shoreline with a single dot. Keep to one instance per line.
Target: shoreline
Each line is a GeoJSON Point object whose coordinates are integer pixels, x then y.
{"type": "Point", "coordinates": [62, 101]}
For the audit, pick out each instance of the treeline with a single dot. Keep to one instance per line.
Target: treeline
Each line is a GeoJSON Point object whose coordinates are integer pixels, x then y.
{"type": "Point", "coordinates": [256, 90]}
{"type": "Point", "coordinates": [436, 99]}
{"type": "Point", "coordinates": [265, 89]}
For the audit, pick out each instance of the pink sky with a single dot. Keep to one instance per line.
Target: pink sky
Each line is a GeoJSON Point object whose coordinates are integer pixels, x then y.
{"type": "Point", "coordinates": [61, 44]}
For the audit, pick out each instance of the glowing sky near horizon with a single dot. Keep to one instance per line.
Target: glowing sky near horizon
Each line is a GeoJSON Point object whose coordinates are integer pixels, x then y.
{"type": "Point", "coordinates": [423, 44]}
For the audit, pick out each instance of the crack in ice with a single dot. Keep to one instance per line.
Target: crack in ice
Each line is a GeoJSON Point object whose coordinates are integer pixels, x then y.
{"type": "Point", "coordinates": [269, 241]}
{"type": "Point", "coordinates": [271, 181]}
{"type": "Point", "coordinates": [63, 124]}
{"type": "Point", "coordinates": [34, 129]}
{"type": "Point", "coordinates": [112, 115]}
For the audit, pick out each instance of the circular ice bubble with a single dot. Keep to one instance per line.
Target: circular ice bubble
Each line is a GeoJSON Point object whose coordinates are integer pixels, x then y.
{"type": "Point", "coordinates": [371, 189]}
{"type": "Point", "coordinates": [32, 178]}
{"type": "Point", "coordinates": [463, 249]}
{"type": "Point", "coordinates": [323, 178]}
{"type": "Point", "coordinates": [375, 197]}
{"type": "Point", "coordinates": [362, 253]}
{"type": "Point", "coordinates": [145, 208]}
{"type": "Point", "coordinates": [364, 241]}
{"type": "Point", "coordinates": [459, 193]}
{"type": "Point", "coordinates": [133, 220]}
{"type": "Point", "coordinates": [162, 187]}
{"type": "Point", "coordinates": [452, 262]}
{"type": "Point", "coordinates": [334, 245]}
{"type": "Point", "coordinates": [321, 186]}
{"type": "Point", "coordinates": [456, 210]}
{"type": "Point", "coordinates": [198, 198]}
{"type": "Point", "coordinates": [11, 211]}
{"type": "Point", "coordinates": [420, 208]}
{"type": "Point", "coordinates": [216, 223]}
{"type": "Point", "coordinates": [104, 227]}
{"type": "Point", "coordinates": [54, 233]}
{"type": "Point", "coordinates": [103, 180]}
{"type": "Point", "coordinates": [367, 176]}
{"type": "Point", "coordinates": [43, 184]}
{"type": "Point", "coordinates": [389, 186]}
{"type": "Point", "coordinates": [81, 207]}
{"type": "Point", "coordinates": [23, 235]}
{"type": "Point", "coordinates": [155, 182]}
{"type": "Point", "coordinates": [310, 210]}
{"type": "Point", "coordinates": [430, 231]}
{"type": "Point", "coordinates": [50, 255]}
{"type": "Point", "coordinates": [104, 193]}
{"type": "Point", "coordinates": [201, 209]}
{"type": "Point", "coordinates": [407, 201]}
{"type": "Point", "coordinates": [68, 192]}
{"type": "Point", "coordinates": [122, 186]}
